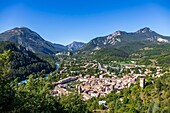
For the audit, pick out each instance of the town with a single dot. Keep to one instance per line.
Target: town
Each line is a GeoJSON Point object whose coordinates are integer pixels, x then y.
{"type": "Point", "coordinates": [92, 79]}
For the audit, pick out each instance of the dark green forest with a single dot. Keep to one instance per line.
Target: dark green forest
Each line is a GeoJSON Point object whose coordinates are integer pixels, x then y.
{"type": "Point", "coordinates": [23, 62]}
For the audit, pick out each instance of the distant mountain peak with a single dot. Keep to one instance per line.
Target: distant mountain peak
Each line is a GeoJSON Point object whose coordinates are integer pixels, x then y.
{"type": "Point", "coordinates": [74, 46]}
{"type": "Point", "coordinates": [22, 29]}
{"type": "Point", "coordinates": [144, 30]}
{"type": "Point", "coordinates": [28, 39]}
{"type": "Point", "coordinates": [117, 33]}
{"type": "Point", "coordinates": [120, 32]}
{"type": "Point", "coordinates": [120, 38]}
{"type": "Point", "coordinates": [76, 42]}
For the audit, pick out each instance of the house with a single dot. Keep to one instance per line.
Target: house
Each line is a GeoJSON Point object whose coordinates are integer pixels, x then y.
{"type": "Point", "coordinates": [103, 102]}
{"type": "Point", "coordinates": [86, 96]}
{"type": "Point", "coordinates": [142, 82]}
{"type": "Point", "coordinates": [129, 66]}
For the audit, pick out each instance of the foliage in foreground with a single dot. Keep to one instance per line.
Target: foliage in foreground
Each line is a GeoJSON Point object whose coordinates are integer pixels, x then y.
{"type": "Point", "coordinates": [154, 98]}
{"type": "Point", "coordinates": [34, 96]}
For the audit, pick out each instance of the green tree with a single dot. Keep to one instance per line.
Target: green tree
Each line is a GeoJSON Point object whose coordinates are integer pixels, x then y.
{"type": "Point", "coordinates": [73, 104]}
{"type": "Point", "coordinates": [155, 108]}
{"type": "Point", "coordinates": [158, 85]}
{"type": "Point", "coordinates": [35, 96]}
{"type": "Point", "coordinates": [7, 94]}
{"type": "Point", "coordinates": [149, 109]}
{"type": "Point", "coordinates": [111, 107]}
{"type": "Point", "coordinates": [101, 107]}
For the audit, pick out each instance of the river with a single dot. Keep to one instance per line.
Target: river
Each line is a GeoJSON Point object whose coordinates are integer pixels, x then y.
{"type": "Point", "coordinates": [25, 81]}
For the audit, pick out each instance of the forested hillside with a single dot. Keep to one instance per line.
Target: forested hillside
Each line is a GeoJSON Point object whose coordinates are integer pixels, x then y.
{"type": "Point", "coordinates": [23, 62]}
{"type": "Point", "coordinates": [34, 96]}
{"type": "Point", "coordinates": [156, 54]}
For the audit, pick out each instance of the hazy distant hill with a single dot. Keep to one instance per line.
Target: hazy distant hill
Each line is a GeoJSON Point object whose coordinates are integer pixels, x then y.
{"type": "Point", "coordinates": [120, 38]}
{"type": "Point", "coordinates": [74, 46]}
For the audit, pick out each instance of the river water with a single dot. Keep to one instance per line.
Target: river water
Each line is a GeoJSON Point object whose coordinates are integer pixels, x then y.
{"type": "Point", "coordinates": [25, 81]}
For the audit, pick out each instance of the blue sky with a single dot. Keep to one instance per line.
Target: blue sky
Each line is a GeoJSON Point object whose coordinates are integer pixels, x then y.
{"type": "Point", "coordinates": [64, 21]}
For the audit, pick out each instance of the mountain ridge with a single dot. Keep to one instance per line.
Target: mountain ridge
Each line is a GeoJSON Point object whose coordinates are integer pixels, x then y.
{"type": "Point", "coordinates": [28, 39]}
{"type": "Point", "coordinates": [121, 37]}
{"type": "Point", "coordinates": [33, 41]}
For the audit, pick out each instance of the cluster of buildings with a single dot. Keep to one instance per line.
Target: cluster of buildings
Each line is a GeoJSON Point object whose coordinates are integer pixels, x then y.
{"type": "Point", "coordinates": [60, 86]}
{"type": "Point", "coordinates": [90, 86]}
{"type": "Point", "coordinates": [99, 87]}
{"type": "Point", "coordinates": [93, 86]}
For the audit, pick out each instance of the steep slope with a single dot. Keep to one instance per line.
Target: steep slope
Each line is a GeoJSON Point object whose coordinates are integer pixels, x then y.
{"type": "Point", "coordinates": [59, 47]}
{"type": "Point", "coordinates": [23, 62]}
{"type": "Point", "coordinates": [30, 40]}
{"type": "Point", "coordinates": [120, 38]}
{"type": "Point", "coordinates": [74, 46]}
